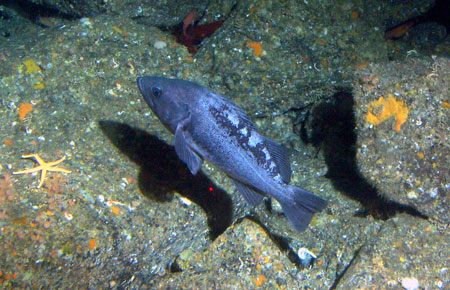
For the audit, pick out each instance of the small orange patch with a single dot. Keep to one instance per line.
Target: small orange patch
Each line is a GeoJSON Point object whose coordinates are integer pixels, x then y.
{"type": "Point", "coordinates": [115, 209]}
{"type": "Point", "coordinates": [20, 221]}
{"type": "Point", "coordinates": [24, 109]}
{"type": "Point", "coordinates": [92, 244]}
{"type": "Point", "coordinates": [354, 15]}
{"type": "Point", "coordinates": [383, 109]}
{"type": "Point", "coordinates": [253, 10]}
{"type": "Point", "coordinates": [260, 280]}
{"type": "Point", "coordinates": [446, 105]}
{"type": "Point", "coordinates": [8, 142]}
{"type": "Point", "coordinates": [256, 47]}
{"type": "Point", "coordinates": [420, 155]}
{"type": "Point", "coordinates": [361, 66]}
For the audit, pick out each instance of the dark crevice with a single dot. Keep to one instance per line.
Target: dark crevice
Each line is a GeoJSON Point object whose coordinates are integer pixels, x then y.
{"type": "Point", "coordinates": [424, 33]}
{"type": "Point", "coordinates": [330, 127]}
{"type": "Point", "coordinates": [194, 33]}
{"type": "Point", "coordinates": [175, 267]}
{"type": "Point", "coordinates": [340, 275]}
{"type": "Point", "coordinates": [283, 243]}
{"type": "Point", "coordinates": [34, 11]}
{"type": "Point", "coordinates": [438, 13]}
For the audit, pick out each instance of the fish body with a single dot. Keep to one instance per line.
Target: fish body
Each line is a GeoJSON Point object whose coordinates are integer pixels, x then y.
{"type": "Point", "coordinates": [209, 126]}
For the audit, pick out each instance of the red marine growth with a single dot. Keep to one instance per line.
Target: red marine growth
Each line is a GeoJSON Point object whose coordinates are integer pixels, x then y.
{"type": "Point", "coordinates": [191, 35]}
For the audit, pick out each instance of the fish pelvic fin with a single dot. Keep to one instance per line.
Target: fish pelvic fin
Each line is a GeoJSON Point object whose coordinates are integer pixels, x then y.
{"type": "Point", "coordinates": [300, 207]}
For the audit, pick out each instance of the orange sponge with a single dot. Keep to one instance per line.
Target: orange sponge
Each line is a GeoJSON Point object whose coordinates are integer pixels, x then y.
{"type": "Point", "coordinates": [24, 109]}
{"type": "Point", "coordinates": [383, 109]}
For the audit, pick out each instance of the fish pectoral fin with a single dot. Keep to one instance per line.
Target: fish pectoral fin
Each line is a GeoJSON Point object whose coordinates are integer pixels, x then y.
{"type": "Point", "coordinates": [192, 160]}
{"type": "Point", "coordinates": [250, 195]}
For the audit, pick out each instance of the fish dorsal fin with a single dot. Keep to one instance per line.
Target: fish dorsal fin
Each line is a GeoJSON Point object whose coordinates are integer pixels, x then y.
{"type": "Point", "coordinates": [281, 159]}
{"type": "Point", "coordinates": [229, 102]}
{"type": "Point", "coordinates": [242, 115]}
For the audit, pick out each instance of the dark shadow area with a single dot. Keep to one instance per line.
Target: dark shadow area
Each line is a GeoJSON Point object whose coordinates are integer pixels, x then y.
{"type": "Point", "coordinates": [438, 13]}
{"type": "Point", "coordinates": [329, 126]}
{"type": "Point", "coordinates": [341, 274]}
{"type": "Point", "coordinates": [163, 172]}
{"type": "Point", "coordinates": [34, 11]}
{"type": "Point", "coordinates": [423, 32]}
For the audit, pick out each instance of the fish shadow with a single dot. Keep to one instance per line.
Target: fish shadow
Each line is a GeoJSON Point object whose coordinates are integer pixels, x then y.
{"type": "Point", "coordinates": [329, 126]}
{"type": "Point", "coordinates": [163, 173]}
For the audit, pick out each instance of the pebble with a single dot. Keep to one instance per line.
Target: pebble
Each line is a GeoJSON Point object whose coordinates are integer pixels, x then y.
{"type": "Point", "coordinates": [410, 283]}
{"type": "Point", "coordinates": [306, 257]}
{"type": "Point", "coordinates": [159, 44]}
{"type": "Point", "coordinates": [86, 22]}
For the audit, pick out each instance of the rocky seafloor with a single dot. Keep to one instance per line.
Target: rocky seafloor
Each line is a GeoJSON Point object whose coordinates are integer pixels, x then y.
{"type": "Point", "coordinates": [366, 122]}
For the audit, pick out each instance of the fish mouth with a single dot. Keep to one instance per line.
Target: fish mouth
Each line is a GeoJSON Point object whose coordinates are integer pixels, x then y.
{"type": "Point", "coordinates": [140, 86]}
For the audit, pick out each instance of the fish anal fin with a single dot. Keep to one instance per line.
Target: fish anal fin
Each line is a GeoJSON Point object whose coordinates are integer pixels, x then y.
{"type": "Point", "coordinates": [250, 195]}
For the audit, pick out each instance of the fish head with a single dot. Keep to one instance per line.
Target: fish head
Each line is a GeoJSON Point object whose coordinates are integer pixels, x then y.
{"type": "Point", "coordinates": [166, 98]}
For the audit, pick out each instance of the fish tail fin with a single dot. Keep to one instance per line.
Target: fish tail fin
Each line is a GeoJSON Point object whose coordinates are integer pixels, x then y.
{"type": "Point", "coordinates": [300, 206]}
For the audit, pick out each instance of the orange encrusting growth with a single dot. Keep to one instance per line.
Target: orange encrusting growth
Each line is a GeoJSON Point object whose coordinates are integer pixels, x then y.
{"type": "Point", "coordinates": [115, 210]}
{"type": "Point", "coordinates": [383, 109]}
{"type": "Point", "coordinates": [257, 48]}
{"type": "Point", "coordinates": [24, 109]}
{"type": "Point", "coordinates": [92, 244]}
{"type": "Point", "coordinates": [259, 281]}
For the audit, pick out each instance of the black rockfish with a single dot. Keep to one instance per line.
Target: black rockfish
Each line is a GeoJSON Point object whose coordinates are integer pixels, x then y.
{"type": "Point", "coordinates": [209, 126]}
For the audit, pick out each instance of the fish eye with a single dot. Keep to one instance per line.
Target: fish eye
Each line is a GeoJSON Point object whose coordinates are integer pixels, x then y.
{"type": "Point", "coordinates": [156, 92]}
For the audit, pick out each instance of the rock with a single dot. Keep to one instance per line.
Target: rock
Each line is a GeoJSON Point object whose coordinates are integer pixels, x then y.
{"type": "Point", "coordinates": [404, 248]}
{"type": "Point", "coordinates": [243, 257]}
{"type": "Point", "coordinates": [139, 217]}
{"type": "Point", "coordinates": [402, 115]}
{"type": "Point", "coordinates": [79, 8]}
